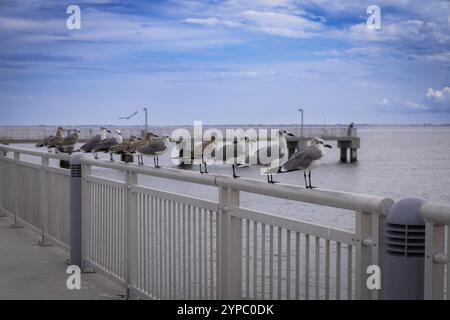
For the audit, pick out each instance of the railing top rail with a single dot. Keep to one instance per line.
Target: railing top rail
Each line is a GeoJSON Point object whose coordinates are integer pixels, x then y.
{"type": "Point", "coordinates": [435, 212]}
{"type": "Point", "coordinates": [336, 199]}
{"type": "Point", "coordinates": [38, 153]}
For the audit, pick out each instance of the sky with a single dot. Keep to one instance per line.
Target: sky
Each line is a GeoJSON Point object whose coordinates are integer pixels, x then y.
{"type": "Point", "coordinates": [224, 62]}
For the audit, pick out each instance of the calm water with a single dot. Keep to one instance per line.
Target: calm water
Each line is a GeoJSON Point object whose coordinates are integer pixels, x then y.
{"type": "Point", "coordinates": [394, 162]}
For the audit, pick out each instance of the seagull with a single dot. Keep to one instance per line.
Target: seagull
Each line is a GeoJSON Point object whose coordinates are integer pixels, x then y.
{"type": "Point", "coordinates": [129, 117]}
{"type": "Point", "coordinates": [53, 140]}
{"type": "Point", "coordinates": [106, 144]}
{"type": "Point", "coordinates": [140, 142]}
{"type": "Point", "coordinates": [267, 155]}
{"type": "Point", "coordinates": [69, 141]}
{"type": "Point", "coordinates": [232, 152]}
{"type": "Point", "coordinates": [122, 147]}
{"type": "Point", "coordinates": [304, 160]}
{"type": "Point", "coordinates": [154, 148]}
{"type": "Point", "coordinates": [95, 141]}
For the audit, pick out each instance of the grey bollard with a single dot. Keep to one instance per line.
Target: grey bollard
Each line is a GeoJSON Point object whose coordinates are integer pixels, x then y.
{"type": "Point", "coordinates": [405, 251]}
{"type": "Point", "coordinates": [75, 210]}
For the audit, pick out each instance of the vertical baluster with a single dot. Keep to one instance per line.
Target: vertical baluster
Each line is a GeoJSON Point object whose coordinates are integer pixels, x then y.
{"type": "Point", "coordinates": [288, 264]}
{"type": "Point", "coordinates": [189, 252]}
{"type": "Point", "coordinates": [338, 270]}
{"type": "Point", "coordinates": [211, 255]}
{"type": "Point", "coordinates": [317, 267]}
{"type": "Point", "coordinates": [247, 258]}
{"type": "Point", "coordinates": [194, 252]}
{"type": "Point", "coordinates": [184, 251]}
{"type": "Point", "coordinates": [297, 266]}
{"type": "Point", "coordinates": [306, 266]}
{"type": "Point", "coordinates": [349, 273]}
{"type": "Point", "coordinates": [279, 271]}
{"type": "Point", "coordinates": [205, 259]}
{"type": "Point", "coordinates": [327, 269]}
{"type": "Point", "coordinates": [263, 261]}
{"type": "Point", "coordinates": [271, 266]}
{"type": "Point", "coordinates": [255, 260]}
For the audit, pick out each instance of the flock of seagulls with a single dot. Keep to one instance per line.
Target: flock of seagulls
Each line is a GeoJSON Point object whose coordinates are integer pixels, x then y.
{"type": "Point", "coordinates": [237, 153]}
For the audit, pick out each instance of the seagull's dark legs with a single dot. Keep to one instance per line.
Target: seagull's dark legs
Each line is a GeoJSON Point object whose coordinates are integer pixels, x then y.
{"type": "Point", "coordinates": [270, 179]}
{"type": "Point", "coordinates": [111, 156]}
{"type": "Point", "coordinates": [234, 171]}
{"type": "Point", "coordinates": [95, 155]}
{"type": "Point", "coordinates": [306, 183]}
{"type": "Point", "coordinates": [310, 185]}
{"type": "Point", "coordinates": [157, 162]}
{"type": "Point", "coordinates": [200, 166]}
{"type": "Point", "coordinates": [206, 169]}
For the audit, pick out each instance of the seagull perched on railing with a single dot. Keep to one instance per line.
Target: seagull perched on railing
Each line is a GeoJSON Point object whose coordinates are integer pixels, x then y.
{"type": "Point", "coordinates": [69, 142]}
{"type": "Point", "coordinates": [106, 144]}
{"type": "Point", "coordinates": [275, 151]}
{"type": "Point", "coordinates": [154, 148]}
{"type": "Point", "coordinates": [235, 152]}
{"type": "Point", "coordinates": [53, 140]}
{"type": "Point", "coordinates": [304, 160]}
{"type": "Point", "coordinates": [96, 140]}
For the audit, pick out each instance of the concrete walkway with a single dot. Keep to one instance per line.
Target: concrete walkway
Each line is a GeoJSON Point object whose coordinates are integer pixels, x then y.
{"type": "Point", "coordinates": [28, 271]}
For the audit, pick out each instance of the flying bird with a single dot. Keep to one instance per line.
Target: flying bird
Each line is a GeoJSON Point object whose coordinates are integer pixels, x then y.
{"type": "Point", "coordinates": [129, 117]}
{"type": "Point", "coordinates": [304, 160]}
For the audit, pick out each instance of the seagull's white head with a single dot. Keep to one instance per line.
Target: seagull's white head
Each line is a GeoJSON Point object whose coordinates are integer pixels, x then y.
{"type": "Point", "coordinates": [320, 143]}
{"type": "Point", "coordinates": [283, 133]}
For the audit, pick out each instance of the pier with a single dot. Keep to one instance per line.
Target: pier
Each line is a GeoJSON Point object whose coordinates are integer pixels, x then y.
{"type": "Point", "coordinates": [346, 137]}
{"type": "Point", "coordinates": [160, 244]}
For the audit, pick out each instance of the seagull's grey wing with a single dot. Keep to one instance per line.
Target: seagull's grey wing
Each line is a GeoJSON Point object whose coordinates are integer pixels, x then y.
{"type": "Point", "coordinates": [54, 140]}
{"type": "Point", "coordinates": [70, 140]}
{"type": "Point", "coordinates": [155, 146]}
{"type": "Point", "coordinates": [92, 143]}
{"type": "Point", "coordinates": [302, 159]}
{"type": "Point", "coordinates": [106, 144]}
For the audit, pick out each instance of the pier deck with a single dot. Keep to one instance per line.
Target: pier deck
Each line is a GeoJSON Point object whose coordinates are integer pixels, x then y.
{"type": "Point", "coordinates": [29, 272]}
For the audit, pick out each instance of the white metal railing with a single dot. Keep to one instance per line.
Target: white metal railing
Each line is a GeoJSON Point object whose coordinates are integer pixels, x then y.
{"type": "Point", "coordinates": [36, 195]}
{"type": "Point", "coordinates": [165, 245]}
{"type": "Point", "coordinates": [437, 254]}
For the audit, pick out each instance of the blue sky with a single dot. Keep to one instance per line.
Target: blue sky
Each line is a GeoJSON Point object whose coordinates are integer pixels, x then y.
{"type": "Point", "coordinates": [224, 62]}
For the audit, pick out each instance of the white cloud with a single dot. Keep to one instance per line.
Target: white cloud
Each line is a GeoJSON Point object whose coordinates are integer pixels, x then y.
{"type": "Point", "coordinates": [383, 101]}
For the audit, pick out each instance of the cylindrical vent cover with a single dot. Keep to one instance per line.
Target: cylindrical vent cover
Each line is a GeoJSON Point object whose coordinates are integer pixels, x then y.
{"type": "Point", "coordinates": [405, 250]}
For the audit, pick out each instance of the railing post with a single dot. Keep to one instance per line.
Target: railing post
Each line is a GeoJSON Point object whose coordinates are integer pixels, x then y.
{"type": "Point", "coordinates": [76, 211]}
{"type": "Point", "coordinates": [44, 207]}
{"type": "Point", "coordinates": [2, 190]}
{"type": "Point", "coordinates": [434, 272]}
{"type": "Point", "coordinates": [363, 254]}
{"type": "Point", "coordinates": [86, 218]}
{"type": "Point", "coordinates": [229, 248]}
{"type": "Point", "coordinates": [131, 227]}
{"type": "Point", "coordinates": [16, 190]}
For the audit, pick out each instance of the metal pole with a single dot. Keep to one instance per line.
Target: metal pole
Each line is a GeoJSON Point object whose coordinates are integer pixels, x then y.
{"type": "Point", "coordinates": [146, 123]}
{"type": "Point", "coordinates": [301, 128]}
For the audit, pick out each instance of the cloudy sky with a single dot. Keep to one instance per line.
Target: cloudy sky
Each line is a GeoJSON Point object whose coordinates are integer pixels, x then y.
{"type": "Point", "coordinates": [224, 61]}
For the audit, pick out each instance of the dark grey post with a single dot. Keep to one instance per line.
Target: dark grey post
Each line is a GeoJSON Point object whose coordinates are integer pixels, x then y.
{"type": "Point", "coordinates": [75, 211]}
{"type": "Point", "coordinates": [405, 251]}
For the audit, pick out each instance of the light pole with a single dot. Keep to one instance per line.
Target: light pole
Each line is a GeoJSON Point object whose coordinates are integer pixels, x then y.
{"type": "Point", "coordinates": [146, 123]}
{"type": "Point", "coordinates": [301, 128]}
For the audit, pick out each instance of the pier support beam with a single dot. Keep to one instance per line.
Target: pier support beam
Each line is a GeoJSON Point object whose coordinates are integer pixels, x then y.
{"type": "Point", "coordinates": [353, 155]}
{"type": "Point", "coordinates": [344, 155]}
